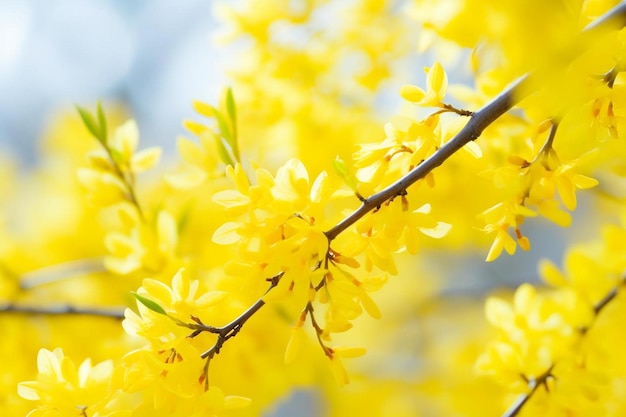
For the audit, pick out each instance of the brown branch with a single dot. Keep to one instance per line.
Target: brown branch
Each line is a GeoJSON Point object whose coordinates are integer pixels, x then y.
{"type": "Point", "coordinates": [545, 149]}
{"type": "Point", "coordinates": [62, 310]}
{"type": "Point", "coordinates": [318, 329]}
{"type": "Point", "coordinates": [533, 384]}
{"type": "Point", "coordinates": [605, 301]}
{"type": "Point", "coordinates": [231, 329]}
{"type": "Point", "coordinates": [449, 108]}
{"type": "Point", "coordinates": [610, 77]}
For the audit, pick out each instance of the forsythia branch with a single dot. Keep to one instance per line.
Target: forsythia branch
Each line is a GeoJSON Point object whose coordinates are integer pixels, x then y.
{"type": "Point", "coordinates": [129, 181]}
{"type": "Point", "coordinates": [231, 329]}
{"type": "Point", "coordinates": [607, 299]}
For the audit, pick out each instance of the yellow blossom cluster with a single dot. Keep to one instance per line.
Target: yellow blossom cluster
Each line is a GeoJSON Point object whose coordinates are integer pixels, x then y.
{"type": "Point", "coordinates": [532, 184]}
{"type": "Point", "coordinates": [65, 390]}
{"type": "Point", "coordinates": [171, 364]}
{"type": "Point", "coordinates": [555, 339]}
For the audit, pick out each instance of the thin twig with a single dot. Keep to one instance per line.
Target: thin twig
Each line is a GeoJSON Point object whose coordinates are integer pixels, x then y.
{"type": "Point", "coordinates": [544, 152]}
{"type": "Point", "coordinates": [129, 182]}
{"type": "Point", "coordinates": [449, 108]}
{"type": "Point", "coordinates": [545, 149]}
{"type": "Point", "coordinates": [231, 329]}
{"type": "Point", "coordinates": [62, 310]}
{"type": "Point", "coordinates": [600, 305]}
{"type": "Point", "coordinates": [610, 77]}
{"type": "Point", "coordinates": [533, 384]}
{"type": "Point", "coordinates": [605, 301]}
{"type": "Point", "coordinates": [318, 329]}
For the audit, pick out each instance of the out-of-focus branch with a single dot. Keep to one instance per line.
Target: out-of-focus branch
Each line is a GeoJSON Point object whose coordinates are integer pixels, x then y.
{"type": "Point", "coordinates": [533, 384]}
{"type": "Point", "coordinates": [60, 272]}
{"type": "Point", "coordinates": [63, 310]}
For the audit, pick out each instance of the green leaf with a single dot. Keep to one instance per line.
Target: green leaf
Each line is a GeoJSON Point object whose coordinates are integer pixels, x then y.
{"type": "Point", "coordinates": [102, 122]}
{"type": "Point", "coordinates": [230, 105]}
{"type": "Point", "coordinates": [116, 155]}
{"type": "Point", "coordinates": [231, 108]}
{"type": "Point", "coordinates": [341, 168]}
{"type": "Point", "coordinates": [152, 305]}
{"type": "Point", "coordinates": [223, 125]}
{"type": "Point", "coordinates": [89, 123]}
{"type": "Point", "coordinates": [222, 150]}
{"type": "Point", "coordinates": [224, 128]}
{"type": "Point", "coordinates": [227, 136]}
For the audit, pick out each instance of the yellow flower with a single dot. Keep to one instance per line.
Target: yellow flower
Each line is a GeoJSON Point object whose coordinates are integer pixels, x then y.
{"type": "Point", "coordinates": [551, 175]}
{"type": "Point", "coordinates": [399, 220]}
{"type": "Point", "coordinates": [172, 382]}
{"type": "Point", "coordinates": [436, 86]}
{"type": "Point", "coordinates": [407, 144]}
{"type": "Point", "coordinates": [336, 354]}
{"type": "Point", "coordinates": [123, 145]}
{"type": "Point", "coordinates": [104, 188]}
{"type": "Point", "coordinates": [200, 162]}
{"type": "Point", "coordinates": [245, 197]}
{"type": "Point", "coordinates": [170, 368]}
{"type": "Point", "coordinates": [590, 270]}
{"type": "Point", "coordinates": [568, 181]}
{"type": "Point", "coordinates": [294, 344]}
{"type": "Point", "coordinates": [292, 186]}
{"type": "Point", "coordinates": [499, 219]}
{"type": "Point", "coordinates": [278, 226]}
{"type": "Point", "coordinates": [143, 245]}
{"type": "Point", "coordinates": [65, 391]}
{"type": "Point", "coordinates": [535, 332]}
{"type": "Point", "coordinates": [125, 140]}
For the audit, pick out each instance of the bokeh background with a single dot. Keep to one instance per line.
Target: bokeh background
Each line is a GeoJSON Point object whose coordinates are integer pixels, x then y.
{"type": "Point", "coordinates": [154, 56]}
